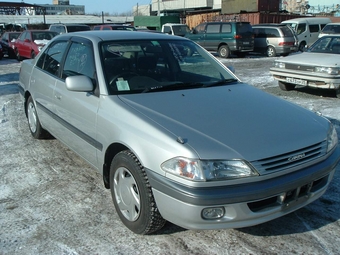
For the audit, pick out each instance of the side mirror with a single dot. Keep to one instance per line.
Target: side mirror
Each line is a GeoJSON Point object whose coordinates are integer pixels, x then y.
{"type": "Point", "coordinates": [79, 83]}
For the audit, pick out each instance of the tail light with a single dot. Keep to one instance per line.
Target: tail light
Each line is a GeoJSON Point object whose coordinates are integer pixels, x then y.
{"type": "Point", "coordinates": [286, 44]}
{"type": "Point", "coordinates": [238, 36]}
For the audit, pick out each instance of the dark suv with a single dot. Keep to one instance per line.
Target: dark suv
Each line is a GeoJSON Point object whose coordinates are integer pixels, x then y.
{"type": "Point", "coordinates": [224, 37]}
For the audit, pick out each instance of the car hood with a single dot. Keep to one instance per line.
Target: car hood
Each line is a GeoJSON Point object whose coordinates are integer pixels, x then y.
{"type": "Point", "coordinates": [312, 59]}
{"type": "Point", "coordinates": [234, 121]}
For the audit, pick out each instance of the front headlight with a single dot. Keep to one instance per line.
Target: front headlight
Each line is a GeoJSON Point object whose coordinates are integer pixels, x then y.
{"type": "Point", "coordinates": [279, 65]}
{"type": "Point", "coordinates": [332, 138]}
{"type": "Point", "coordinates": [208, 170]}
{"type": "Point", "coordinates": [327, 70]}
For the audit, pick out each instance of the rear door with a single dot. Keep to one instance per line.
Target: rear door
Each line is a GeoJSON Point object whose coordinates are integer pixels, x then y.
{"type": "Point", "coordinates": [244, 36]}
{"type": "Point", "coordinates": [43, 80]}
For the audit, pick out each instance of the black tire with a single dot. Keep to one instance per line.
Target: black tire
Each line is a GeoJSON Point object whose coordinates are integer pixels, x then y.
{"type": "Point", "coordinates": [337, 93]}
{"type": "Point", "coordinates": [302, 46]}
{"type": "Point", "coordinates": [286, 86]}
{"type": "Point", "coordinates": [224, 51]}
{"type": "Point", "coordinates": [132, 195]}
{"type": "Point", "coordinates": [17, 54]}
{"type": "Point", "coordinates": [33, 55]}
{"type": "Point", "coordinates": [33, 121]}
{"type": "Point", "coordinates": [271, 52]}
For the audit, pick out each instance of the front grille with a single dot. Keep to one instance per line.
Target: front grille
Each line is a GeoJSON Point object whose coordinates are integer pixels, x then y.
{"type": "Point", "coordinates": [291, 159]}
{"type": "Point", "coordinates": [299, 67]}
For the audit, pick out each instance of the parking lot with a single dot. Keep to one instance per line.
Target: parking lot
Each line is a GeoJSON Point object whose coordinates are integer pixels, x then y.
{"type": "Point", "coordinates": [53, 202]}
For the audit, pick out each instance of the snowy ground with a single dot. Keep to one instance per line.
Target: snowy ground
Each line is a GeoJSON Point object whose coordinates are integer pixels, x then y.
{"type": "Point", "coordinates": [52, 202]}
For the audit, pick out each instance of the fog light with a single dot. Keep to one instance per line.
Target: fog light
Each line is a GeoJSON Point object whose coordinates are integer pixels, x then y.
{"type": "Point", "coordinates": [213, 213]}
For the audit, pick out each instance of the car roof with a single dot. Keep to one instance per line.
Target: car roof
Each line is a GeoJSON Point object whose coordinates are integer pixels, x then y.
{"type": "Point", "coordinates": [270, 25]}
{"type": "Point", "coordinates": [108, 35]}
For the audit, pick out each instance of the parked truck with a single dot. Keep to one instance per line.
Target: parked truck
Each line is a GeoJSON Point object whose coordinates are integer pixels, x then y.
{"type": "Point", "coordinates": [165, 24]}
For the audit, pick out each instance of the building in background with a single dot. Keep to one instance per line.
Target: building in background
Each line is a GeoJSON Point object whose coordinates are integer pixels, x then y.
{"type": "Point", "coordinates": [63, 7]}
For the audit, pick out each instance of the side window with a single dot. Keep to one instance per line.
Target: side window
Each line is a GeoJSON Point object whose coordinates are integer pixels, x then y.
{"type": "Point", "coordinates": [226, 28]}
{"type": "Point", "coordinates": [106, 28]}
{"type": "Point", "coordinates": [79, 61]}
{"type": "Point", "coordinates": [166, 29]}
{"type": "Point", "coordinates": [314, 28]}
{"type": "Point", "coordinates": [213, 28]}
{"type": "Point", "coordinates": [301, 28]}
{"type": "Point", "coordinates": [272, 33]}
{"type": "Point", "coordinates": [200, 28]}
{"type": "Point", "coordinates": [51, 57]}
{"type": "Point", "coordinates": [261, 33]}
{"type": "Point", "coordinates": [22, 36]}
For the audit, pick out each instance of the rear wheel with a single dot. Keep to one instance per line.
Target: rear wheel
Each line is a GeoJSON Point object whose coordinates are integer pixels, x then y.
{"type": "Point", "coordinates": [271, 52]}
{"type": "Point", "coordinates": [33, 121]}
{"type": "Point", "coordinates": [132, 195]}
{"type": "Point", "coordinates": [224, 51]}
{"type": "Point", "coordinates": [286, 86]}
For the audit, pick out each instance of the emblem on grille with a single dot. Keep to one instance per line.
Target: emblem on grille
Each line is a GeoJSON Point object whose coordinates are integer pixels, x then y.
{"type": "Point", "coordinates": [297, 157]}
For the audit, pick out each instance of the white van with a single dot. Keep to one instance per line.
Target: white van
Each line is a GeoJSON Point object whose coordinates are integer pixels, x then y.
{"type": "Point", "coordinates": [307, 29]}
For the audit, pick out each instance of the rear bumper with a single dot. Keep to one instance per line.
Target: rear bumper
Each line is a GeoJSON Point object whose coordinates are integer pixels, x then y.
{"type": "Point", "coordinates": [244, 205]}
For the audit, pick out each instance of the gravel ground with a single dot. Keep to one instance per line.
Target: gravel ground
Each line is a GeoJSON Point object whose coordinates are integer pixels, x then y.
{"type": "Point", "coordinates": [53, 202]}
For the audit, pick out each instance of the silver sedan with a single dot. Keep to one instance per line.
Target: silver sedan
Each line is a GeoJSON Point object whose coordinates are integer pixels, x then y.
{"type": "Point", "coordinates": [175, 134]}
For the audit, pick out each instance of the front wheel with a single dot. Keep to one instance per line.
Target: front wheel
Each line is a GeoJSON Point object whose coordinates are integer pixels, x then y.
{"type": "Point", "coordinates": [302, 46]}
{"type": "Point", "coordinates": [286, 86]}
{"type": "Point", "coordinates": [17, 54]}
{"type": "Point", "coordinates": [224, 51]}
{"type": "Point", "coordinates": [132, 195]}
{"type": "Point", "coordinates": [33, 55]}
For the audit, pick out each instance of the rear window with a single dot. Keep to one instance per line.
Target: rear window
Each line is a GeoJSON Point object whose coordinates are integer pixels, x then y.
{"type": "Point", "coordinates": [244, 28]}
{"type": "Point", "coordinates": [77, 28]}
{"type": "Point", "coordinates": [287, 32]}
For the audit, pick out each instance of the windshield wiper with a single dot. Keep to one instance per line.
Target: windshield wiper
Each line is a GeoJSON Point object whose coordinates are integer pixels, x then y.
{"type": "Point", "coordinates": [173, 86]}
{"type": "Point", "coordinates": [221, 82]}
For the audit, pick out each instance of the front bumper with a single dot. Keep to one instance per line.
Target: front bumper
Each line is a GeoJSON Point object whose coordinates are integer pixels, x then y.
{"type": "Point", "coordinates": [245, 204]}
{"type": "Point", "coordinates": [323, 81]}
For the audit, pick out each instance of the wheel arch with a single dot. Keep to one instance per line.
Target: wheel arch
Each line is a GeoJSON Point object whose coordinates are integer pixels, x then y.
{"type": "Point", "coordinates": [110, 153]}
{"type": "Point", "coordinates": [26, 96]}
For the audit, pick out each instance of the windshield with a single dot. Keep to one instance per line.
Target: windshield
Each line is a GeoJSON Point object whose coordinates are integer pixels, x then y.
{"type": "Point", "coordinates": [326, 45]}
{"type": "Point", "coordinates": [150, 66]}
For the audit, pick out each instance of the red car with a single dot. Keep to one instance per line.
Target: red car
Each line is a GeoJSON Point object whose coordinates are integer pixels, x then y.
{"type": "Point", "coordinates": [7, 42]}
{"type": "Point", "coordinates": [30, 42]}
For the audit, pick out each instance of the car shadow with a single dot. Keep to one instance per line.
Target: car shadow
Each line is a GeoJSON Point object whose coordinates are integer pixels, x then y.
{"type": "Point", "coordinates": [317, 92]}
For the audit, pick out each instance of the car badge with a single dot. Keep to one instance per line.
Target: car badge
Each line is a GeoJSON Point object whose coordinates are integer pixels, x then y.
{"type": "Point", "coordinates": [297, 157]}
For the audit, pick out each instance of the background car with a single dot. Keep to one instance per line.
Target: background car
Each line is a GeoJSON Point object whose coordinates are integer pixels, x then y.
{"type": "Point", "coordinates": [30, 43]}
{"type": "Point", "coordinates": [225, 38]}
{"type": "Point", "coordinates": [68, 28]}
{"type": "Point", "coordinates": [114, 27]}
{"type": "Point", "coordinates": [7, 42]}
{"type": "Point", "coordinates": [318, 67]}
{"type": "Point", "coordinates": [274, 39]}
{"type": "Point", "coordinates": [330, 29]}
{"type": "Point", "coordinates": [1, 52]}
